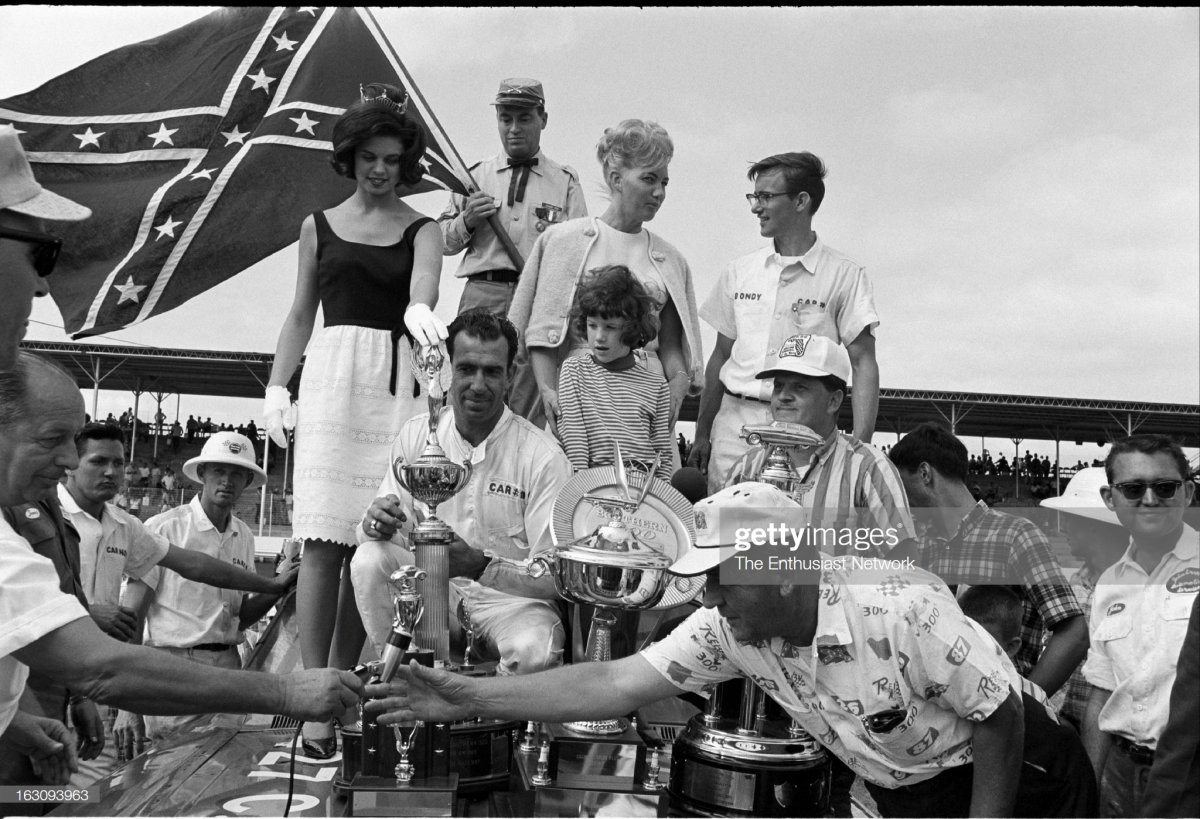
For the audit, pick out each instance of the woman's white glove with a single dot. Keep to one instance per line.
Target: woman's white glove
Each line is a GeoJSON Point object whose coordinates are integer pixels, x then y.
{"type": "Point", "coordinates": [278, 416]}
{"type": "Point", "coordinates": [426, 328]}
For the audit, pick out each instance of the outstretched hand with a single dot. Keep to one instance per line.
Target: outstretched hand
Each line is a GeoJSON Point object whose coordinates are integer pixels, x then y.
{"type": "Point", "coordinates": [48, 743]}
{"type": "Point", "coordinates": [320, 694]}
{"type": "Point", "coordinates": [429, 694]}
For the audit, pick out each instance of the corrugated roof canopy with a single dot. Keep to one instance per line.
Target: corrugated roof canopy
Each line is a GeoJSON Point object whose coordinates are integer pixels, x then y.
{"type": "Point", "coordinates": [244, 375]}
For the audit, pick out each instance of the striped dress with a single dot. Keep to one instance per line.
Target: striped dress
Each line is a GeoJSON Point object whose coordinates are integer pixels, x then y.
{"type": "Point", "coordinates": [848, 485]}
{"type": "Point", "coordinates": [625, 401]}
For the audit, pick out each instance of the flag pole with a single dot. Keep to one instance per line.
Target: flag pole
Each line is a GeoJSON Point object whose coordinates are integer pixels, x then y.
{"type": "Point", "coordinates": [494, 221]}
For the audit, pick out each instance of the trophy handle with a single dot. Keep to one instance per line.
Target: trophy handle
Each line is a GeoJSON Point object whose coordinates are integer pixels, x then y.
{"type": "Point", "coordinates": [537, 567]}
{"type": "Point", "coordinates": [465, 478]}
{"type": "Point", "coordinates": [398, 470]}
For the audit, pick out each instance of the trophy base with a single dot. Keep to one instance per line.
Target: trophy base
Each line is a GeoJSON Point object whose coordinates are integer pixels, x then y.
{"type": "Point", "coordinates": [384, 796]}
{"type": "Point", "coordinates": [612, 762]}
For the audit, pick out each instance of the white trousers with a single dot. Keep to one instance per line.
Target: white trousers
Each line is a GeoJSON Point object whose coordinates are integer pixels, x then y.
{"type": "Point", "coordinates": [526, 634]}
{"type": "Point", "coordinates": [726, 444]}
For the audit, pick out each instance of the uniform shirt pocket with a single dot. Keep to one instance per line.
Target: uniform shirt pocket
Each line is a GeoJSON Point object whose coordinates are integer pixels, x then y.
{"type": "Point", "coordinates": [1114, 627]}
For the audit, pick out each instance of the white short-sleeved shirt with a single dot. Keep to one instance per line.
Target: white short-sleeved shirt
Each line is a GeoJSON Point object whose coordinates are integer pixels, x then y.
{"type": "Point", "coordinates": [900, 643]}
{"type": "Point", "coordinates": [31, 606]}
{"type": "Point", "coordinates": [1137, 627]}
{"type": "Point", "coordinates": [506, 507]}
{"type": "Point", "coordinates": [117, 544]}
{"type": "Point", "coordinates": [763, 298]}
{"type": "Point", "coordinates": [186, 613]}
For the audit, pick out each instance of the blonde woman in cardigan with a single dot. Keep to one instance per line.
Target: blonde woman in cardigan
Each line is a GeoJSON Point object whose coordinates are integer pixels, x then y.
{"type": "Point", "coordinates": [634, 156]}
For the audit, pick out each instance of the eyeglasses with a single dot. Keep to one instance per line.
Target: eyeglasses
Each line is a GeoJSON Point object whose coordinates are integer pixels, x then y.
{"type": "Point", "coordinates": [45, 248]}
{"type": "Point", "coordinates": [1136, 490]}
{"type": "Point", "coordinates": [765, 197]}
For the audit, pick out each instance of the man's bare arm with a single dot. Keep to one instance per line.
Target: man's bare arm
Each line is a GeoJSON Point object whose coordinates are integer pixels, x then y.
{"type": "Point", "coordinates": [154, 682]}
{"type": "Point", "coordinates": [580, 691]}
{"type": "Point", "coordinates": [864, 397]}
{"type": "Point", "coordinates": [1065, 650]}
{"type": "Point", "coordinates": [201, 568]}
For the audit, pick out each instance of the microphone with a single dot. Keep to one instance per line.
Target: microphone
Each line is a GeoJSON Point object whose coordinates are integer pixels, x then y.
{"type": "Point", "coordinates": [690, 482]}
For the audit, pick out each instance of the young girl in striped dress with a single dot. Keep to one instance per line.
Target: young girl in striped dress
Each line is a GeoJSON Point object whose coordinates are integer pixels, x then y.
{"type": "Point", "coordinates": [609, 393]}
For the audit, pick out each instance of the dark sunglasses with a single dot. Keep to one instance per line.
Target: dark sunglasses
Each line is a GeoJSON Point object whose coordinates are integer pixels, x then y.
{"type": "Point", "coordinates": [1136, 490]}
{"type": "Point", "coordinates": [45, 248]}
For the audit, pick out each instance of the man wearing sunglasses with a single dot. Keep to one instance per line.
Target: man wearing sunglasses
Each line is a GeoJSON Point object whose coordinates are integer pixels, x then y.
{"type": "Point", "coordinates": [797, 285]}
{"type": "Point", "coordinates": [1140, 615]}
{"type": "Point", "coordinates": [27, 252]}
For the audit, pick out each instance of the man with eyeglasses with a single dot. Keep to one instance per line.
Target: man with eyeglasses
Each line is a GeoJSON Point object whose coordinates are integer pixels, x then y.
{"type": "Point", "coordinates": [27, 252]}
{"type": "Point", "coordinates": [796, 286]}
{"type": "Point", "coordinates": [1140, 615]}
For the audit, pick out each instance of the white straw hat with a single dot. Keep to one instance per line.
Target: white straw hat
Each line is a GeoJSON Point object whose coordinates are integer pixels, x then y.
{"type": "Point", "coordinates": [1082, 497]}
{"type": "Point", "coordinates": [227, 448]}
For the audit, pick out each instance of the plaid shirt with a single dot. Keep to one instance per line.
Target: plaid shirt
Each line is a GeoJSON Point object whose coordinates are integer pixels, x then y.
{"type": "Point", "coordinates": [991, 547]}
{"type": "Point", "coordinates": [1077, 689]}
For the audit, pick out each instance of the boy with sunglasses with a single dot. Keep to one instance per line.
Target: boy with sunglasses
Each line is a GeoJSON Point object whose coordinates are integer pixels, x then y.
{"type": "Point", "coordinates": [1139, 616]}
{"type": "Point", "coordinates": [27, 252]}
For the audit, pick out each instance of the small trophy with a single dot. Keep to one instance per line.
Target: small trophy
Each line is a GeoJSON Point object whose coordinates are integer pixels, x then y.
{"type": "Point", "coordinates": [408, 606]}
{"type": "Point", "coordinates": [431, 479]}
{"type": "Point", "coordinates": [778, 437]}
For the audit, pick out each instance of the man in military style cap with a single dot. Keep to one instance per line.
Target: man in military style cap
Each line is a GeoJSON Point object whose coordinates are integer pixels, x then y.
{"type": "Point", "coordinates": [527, 192]}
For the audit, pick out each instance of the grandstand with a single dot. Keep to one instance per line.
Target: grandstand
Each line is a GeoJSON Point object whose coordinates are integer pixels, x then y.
{"type": "Point", "coordinates": [158, 372]}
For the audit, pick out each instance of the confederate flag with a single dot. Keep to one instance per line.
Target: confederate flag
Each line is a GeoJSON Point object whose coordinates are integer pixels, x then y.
{"type": "Point", "coordinates": [200, 152]}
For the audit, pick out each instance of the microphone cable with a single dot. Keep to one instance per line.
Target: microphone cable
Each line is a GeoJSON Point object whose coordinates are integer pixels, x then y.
{"type": "Point", "coordinates": [287, 806]}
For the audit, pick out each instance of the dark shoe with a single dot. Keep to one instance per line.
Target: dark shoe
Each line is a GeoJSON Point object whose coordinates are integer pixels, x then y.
{"type": "Point", "coordinates": [323, 748]}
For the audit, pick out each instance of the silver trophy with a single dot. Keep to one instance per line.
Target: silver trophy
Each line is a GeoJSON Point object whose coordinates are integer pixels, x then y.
{"type": "Point", "coordinates": [408, 605]}
{"type": "Point", "coordinates": [431, 479]}
{"type": "Point", "coordinates": [779, 438]}
{"type": "Point", "coordinates": [610, 569]}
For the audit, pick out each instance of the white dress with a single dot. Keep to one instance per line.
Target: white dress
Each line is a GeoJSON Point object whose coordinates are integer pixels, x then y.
{"type": "Point", "coordinates": [348, 416]}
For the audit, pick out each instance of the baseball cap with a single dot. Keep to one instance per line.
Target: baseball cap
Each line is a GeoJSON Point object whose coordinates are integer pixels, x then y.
{"type": "Point", "coordinates": [813, 355]}
{"type": "Point", "coordinates": [1082, 497]}
{"type": "Point", "coordinates": [722, 520]}
{"type": "Point", "coordinates": [521, 92]}
{"type": "Point", "coordinates": [20, 192]}
{"type": "Point", "coordinates": [227, 448]}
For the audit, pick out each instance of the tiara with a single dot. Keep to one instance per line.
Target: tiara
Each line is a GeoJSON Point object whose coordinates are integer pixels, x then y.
{"type": "Point", "coordinates": [384, 99]}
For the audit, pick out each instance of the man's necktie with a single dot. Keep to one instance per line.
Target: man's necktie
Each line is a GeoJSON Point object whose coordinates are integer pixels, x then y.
{"type": "Point", "coordinates": [520, 177]}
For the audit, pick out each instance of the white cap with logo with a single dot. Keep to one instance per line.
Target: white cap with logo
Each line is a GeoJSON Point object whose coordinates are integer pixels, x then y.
{"type": "Point", "coordinates": [738, 508]}
{"type": "Point", "coordinates": [816, 356]}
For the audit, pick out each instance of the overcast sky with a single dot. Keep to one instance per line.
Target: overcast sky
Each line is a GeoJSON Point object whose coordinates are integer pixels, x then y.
{"type": "Point", "coordinates": [1023, 185]}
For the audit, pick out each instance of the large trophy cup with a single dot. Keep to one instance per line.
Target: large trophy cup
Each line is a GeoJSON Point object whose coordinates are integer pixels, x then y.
{"type": "Point", "coordinates": [617, 529]}
{"type": "Point", "coordinates": [431, 479]}
{"type": "Point", "coordinates": [743, 737]}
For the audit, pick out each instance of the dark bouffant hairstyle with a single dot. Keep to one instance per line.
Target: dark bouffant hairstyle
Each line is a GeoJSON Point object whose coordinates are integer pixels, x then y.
{"type": "Point", "coordinates": [97, 432]}
{"type": "Point", "coordinates": [802, 171]}
{"type": "Point", "coordinates": [483, 324]}
{"type": "Point", "coordinates": [1147, 444]}
{"type": "Point", "coordinates": [378, 117]}
{"type": "Point", "coordinates": [614, 292]}
{"type": "Point", "coordinates": [933, 444]}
